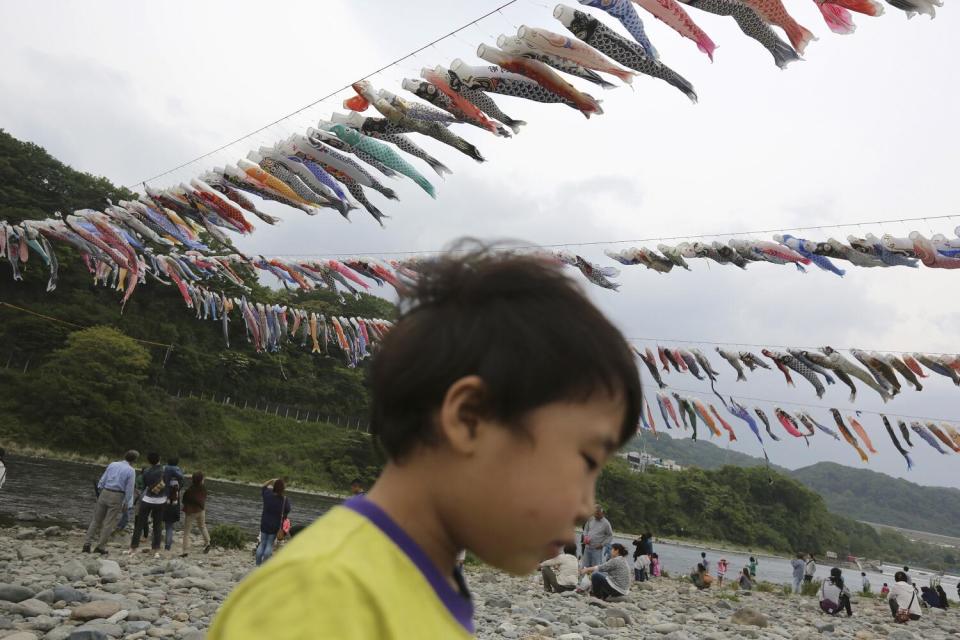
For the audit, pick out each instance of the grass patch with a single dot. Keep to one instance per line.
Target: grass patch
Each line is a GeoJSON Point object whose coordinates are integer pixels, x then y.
{"type": "Point", "coordinates": [228, 536]}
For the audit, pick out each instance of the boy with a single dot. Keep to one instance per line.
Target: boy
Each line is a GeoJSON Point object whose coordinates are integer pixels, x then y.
{"type": "Point", "coordinates": [497, 398]}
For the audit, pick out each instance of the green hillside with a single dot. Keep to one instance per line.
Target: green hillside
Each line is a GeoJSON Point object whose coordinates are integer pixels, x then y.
{"type": "Point", "coordinates": [877, 497]}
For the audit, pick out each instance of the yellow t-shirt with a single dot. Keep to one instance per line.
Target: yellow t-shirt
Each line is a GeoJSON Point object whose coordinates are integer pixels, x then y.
{"type": "Point", "coordinates": [352, 575]}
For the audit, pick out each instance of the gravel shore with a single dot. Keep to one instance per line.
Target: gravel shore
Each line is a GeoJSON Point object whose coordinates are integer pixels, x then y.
{"type": "Point", "coordinates": [49, 590]}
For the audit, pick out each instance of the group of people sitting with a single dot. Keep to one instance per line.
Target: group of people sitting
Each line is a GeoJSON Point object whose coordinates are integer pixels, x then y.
{"type": "Point", "coordinates": [906, 601]}
{"type": "Point", "coordinates": [701, 578]}
{"type": "Point", "coordinates": [605, 580]}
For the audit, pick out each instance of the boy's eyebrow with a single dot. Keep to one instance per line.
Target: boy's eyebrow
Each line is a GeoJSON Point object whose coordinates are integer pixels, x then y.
{"type": "Point", "coordinates": [609, 444]}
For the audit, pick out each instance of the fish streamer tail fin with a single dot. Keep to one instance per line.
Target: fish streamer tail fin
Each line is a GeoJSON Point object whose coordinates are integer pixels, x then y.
{"type": "Point", "coordinates": [439, 167]}
{"type": "Point", "coordinates": [426, 186]}
{"type": "Point", "coordinates": [681, 83]}
{"type": "Point", "coordinates": [866, 7]}
{"type": "Point", "coordinates": [783, 54]}
{"type": "Point", "coordinates": [516, 124]}
{"type": "Point", "coordinates": [800, 37]}
{"type": "Point", "coordinates": [837, 18]}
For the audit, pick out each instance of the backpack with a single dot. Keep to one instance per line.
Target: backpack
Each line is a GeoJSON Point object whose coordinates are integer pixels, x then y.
{"type": "Point", "coordinates": [153, 483]}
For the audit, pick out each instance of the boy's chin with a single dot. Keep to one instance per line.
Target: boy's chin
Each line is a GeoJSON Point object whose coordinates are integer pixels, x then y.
{"type": "Point", "coordinates": [525, 563]}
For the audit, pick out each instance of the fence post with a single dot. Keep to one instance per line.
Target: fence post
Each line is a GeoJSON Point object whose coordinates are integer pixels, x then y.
{"type": "Point", "coordinates": [277, 412]}
{"type": "Point", "coordinates": [287, 414]}
{"type": "Point", "coordinates": [178, 393]}
{"type": "Point", "coordinates": [26, 366]}
{"type": "Point", "coordinates": [244, 403]}
{"type": "Point", "coordinates": [298, 414]}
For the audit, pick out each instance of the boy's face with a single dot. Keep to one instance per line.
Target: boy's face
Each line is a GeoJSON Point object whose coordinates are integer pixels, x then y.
{"type": "Point", "coordinates": [527, 491]}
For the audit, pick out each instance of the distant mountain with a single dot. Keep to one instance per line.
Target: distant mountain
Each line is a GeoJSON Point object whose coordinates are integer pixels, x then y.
{"type": "Point", "coordinates": [856, 493]}
{"type": "Point", "coordinates": [876, 497]}
{"type": "Point", "coordinates": [694, 453]}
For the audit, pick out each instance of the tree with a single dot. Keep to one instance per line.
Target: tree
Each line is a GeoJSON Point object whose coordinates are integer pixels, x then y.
{"type": "Point", "coordinates": [92, 390]}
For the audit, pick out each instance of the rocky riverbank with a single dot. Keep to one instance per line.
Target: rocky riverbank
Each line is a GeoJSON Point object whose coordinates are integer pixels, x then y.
{"type": "Point", "coordinates": [49, 590]}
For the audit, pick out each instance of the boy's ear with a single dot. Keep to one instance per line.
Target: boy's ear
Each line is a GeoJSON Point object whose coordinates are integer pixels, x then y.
{"type": "Point", "coordinates": [461, 412]}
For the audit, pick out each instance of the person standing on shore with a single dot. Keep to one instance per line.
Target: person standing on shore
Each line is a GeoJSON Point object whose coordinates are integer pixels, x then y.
{"type": "Point", "coordinates": [641, 567]}
{"type": "Point", "coordinates": [597, 534]}
{"type": "Point", "coordinates": [797, 564]}
{"type": "Point", "coordinates": [721, 572]}
{"type": "Point", "coordinates": [152, 501]}
{"type": "Point", "coordinates": [497, 397]}
{"type": "Point", "coordinates": [655, 565]}
{"type": "Point", "coordinates": [906, 572]}
{"type": "Point", "coordinates": [276, 508]}
{"type": "Point", "coordinates": [560, 573]}
{"type": "Point", "coordinates": [173, 479]}
{"type": "Point", "coordinates": [752, 566]}
{"type": "Point", "coordinates": [612, 578]}
{"type": "Point", "coordinates": [195, 512]}
{"type": "Point", "coordinates": [116, 493]}
{"type": "Point", "coordinates": [705, 562]}
{"type": "Point", "coordinates": [866, 583]}
{"type": "Point", "coordinates": [809, 569]}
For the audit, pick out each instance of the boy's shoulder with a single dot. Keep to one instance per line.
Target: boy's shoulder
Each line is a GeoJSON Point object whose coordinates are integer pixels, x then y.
{"type": "Point", "coordinates": [341, 575]}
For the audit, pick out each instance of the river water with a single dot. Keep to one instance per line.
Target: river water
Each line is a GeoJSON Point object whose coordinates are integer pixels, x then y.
{"type": "Point", "coordinates": [63, 492]}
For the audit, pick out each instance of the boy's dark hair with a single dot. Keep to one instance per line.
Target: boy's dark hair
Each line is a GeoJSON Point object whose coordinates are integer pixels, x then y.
{"type": "Point", "coordinates": [570, 549]}
{"type": "Point", "coordinates": [173, 461]}
{"type": "Point", "coordinates": [153, 457]}
{"type": "Point", "coordinates": [703, 554]}
{"type": "Point", "coordinates": [131, 456]}
{"type": "Point", "coordinates": [619, 548]}
{"type": "Point", "coordinates": [515, 321]}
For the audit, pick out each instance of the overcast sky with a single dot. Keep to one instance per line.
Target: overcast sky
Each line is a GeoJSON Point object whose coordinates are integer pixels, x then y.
{"type": "Point", "coordinates": [863, 129]}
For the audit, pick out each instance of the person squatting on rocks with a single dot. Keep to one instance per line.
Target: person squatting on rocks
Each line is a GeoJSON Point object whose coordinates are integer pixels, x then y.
{"type": "Point", "coordinates": [904, 599]}
{"type": "Point", "coordinates": [195, 512]}
{"type": "Point", "coordinates": [497, 397]}
{"type": "Point", "coordinates": [612, 578]}
{"type": "Point", "coordinates": [116, 487]}
{"type": "Point", "coordinates": [597, 537]}
{"type": "Point", "coordinates": [700, 577]}
{"type": "Point", "coordinates": [561, 573]}
{"type": "Point", "coordinates": [834, 594]}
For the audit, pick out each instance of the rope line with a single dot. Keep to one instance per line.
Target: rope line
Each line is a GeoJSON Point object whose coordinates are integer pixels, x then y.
{"type": "Point", "coordinates": [326, 97]}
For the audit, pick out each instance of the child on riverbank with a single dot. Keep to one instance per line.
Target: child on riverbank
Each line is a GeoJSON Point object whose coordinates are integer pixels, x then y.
{"type": "Point", "coordinates": [497, 397]}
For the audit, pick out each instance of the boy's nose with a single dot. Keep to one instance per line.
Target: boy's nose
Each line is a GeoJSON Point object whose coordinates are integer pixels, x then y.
{"type": "Point", "coordinates": [587, 506]}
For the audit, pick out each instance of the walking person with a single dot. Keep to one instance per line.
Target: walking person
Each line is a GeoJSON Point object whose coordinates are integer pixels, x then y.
{"type": "Point", "coordinates": [753, 567]}
{"type": "Point", "coordinates": [173, 479]}
{"type": "Point", "coordinates": [276, 508]}
{"type": "Point", "coordinates": [797, 564]}
{"type": "Point", "coordinates": [152, 502]}
{"type": "Point", "coordinates": [597, 534]}
{"type": "Point", "coordinates": [834, 595]}
{"type": "Point", "coordinates": [116, 493]}
{"type": "Point", "coordinates": [195, 512]}
{"type": "Point", "coordinates": [560, 573]}
{"type": "Point", "coordinates": [865, 583]}
{"type": "Point", "coordinates": [809, 569]}
{"type": "Point", "coordinates": [612, 578]}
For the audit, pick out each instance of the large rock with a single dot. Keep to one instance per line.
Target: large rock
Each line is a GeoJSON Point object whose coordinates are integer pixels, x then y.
{"type": "Point", "coordinates": [73, 570]}
{"type": "Point", "coordinates": [666, 627]}
{"type": "Point", "coordinates": [95, 610]}
{"type": "Point", "coordinates": [14, 592]}
{"type": "Point", "coordinates": [749, 617]}
{"type": "Point", "coordinates": [21, 635]}
{"type": "Point", "coordinates": [147, 615]}
{"type": "Point", "coordinates": [88, 634]}
{"type": "Point", "coordinates": [27, 553]}
{"type": "Point", "coordinates": [109, 571]}
{"type": "Point", "coordinates": [31, 608]}
{"type": "Point", "coordinates": [69, 595]}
